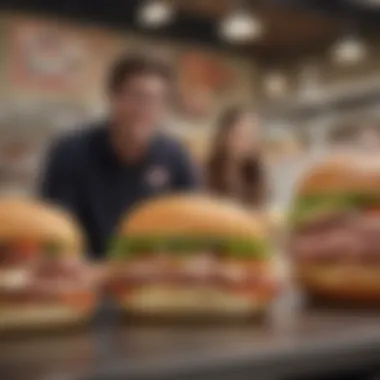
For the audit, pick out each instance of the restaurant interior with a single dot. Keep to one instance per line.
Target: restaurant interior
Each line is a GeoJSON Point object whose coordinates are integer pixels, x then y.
{"type": "Point", "coordinates": [309, 69]}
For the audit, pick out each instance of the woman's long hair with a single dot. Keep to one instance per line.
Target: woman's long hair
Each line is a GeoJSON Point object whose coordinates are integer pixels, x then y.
{"type": "Point", "coordinates": [250, 172]}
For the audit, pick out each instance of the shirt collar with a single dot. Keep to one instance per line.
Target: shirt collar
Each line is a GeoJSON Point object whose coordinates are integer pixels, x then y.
{"type": "Point", "coordinates": [113, 159]}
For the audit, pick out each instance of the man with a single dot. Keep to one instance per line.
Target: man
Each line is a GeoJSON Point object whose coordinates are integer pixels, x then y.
{"type": "Point", "coordinates": [101, 173]}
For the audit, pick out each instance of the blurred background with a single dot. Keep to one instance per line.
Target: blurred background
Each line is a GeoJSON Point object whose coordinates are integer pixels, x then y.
{"type": "Point", "coordinates": [311, 69]}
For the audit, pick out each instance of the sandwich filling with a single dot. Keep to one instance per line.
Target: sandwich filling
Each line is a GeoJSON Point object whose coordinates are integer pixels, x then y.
{"type": "Point", "coordinates": [337, 228]}
{"type": "Point", "coordinates": [231, 265]}
{"type": "Point", "coordinates": [129, 247]}
{"type": "Point", "coordinates": [18, 252]}
{"type": "Point", "coordinates": [51, 283]}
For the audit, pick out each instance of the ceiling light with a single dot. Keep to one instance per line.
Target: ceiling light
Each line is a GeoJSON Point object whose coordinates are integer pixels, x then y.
{"type": "Point", "coordinates": [241, 26]}
{"type": "Point", "coordinates": [349, 50]}
{"type": "Point", "coordinates": [367, 3]}
{"type": "Point", "coordinates": [155, 13]}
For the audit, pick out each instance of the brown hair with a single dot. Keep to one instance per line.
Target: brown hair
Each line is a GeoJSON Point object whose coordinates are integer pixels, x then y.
{"type": "Point", "coordinates": [250, 171]}
{"type": "Point", "coordinates": [128, 66]}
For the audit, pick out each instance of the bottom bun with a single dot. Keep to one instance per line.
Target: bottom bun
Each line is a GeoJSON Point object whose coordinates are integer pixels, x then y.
{"type": "Point", "coordinates": [190, 301]}
{"type": "Point", "coordinates": [13, 278]}
{"type": "Point", "coordinates": [39, 317]}
{"type": "Point", "coordinates": [341, 282]}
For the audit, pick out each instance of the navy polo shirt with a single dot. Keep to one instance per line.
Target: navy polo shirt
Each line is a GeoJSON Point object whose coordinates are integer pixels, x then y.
{"type": "Point", "coordinates": [84, 175]}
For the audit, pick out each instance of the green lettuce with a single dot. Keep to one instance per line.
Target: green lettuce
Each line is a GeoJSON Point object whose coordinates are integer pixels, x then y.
{"type": "Point", "coordinates": [128, 247]}
{"type": "Point", "coordinates": [53, 248]}
{"type": "Point", "coordinates": [309, 207]}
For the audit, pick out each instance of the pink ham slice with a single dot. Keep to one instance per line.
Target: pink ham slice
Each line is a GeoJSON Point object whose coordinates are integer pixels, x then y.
{"type": "Point", "coordinates": [357, 239]}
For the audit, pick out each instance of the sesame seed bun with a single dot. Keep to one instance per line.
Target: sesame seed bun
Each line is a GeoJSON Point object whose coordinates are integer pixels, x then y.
{"type": "Point", "coordinates": [23, 218]}
{"type": "Point", "coordinates": [192, 285]}
{"type": "Point", "coordinates": [36, 317]}
{"type": "Point", "coordinates": [181, 302]}
{"type": "Point", "coordinates": [341, 174]}
{"type": "Point", "coordinates": [192, 215]}
{"type": "Point", "coordinates": [341, 279]}
{"type": "Point", "coordinates": [341, 282]}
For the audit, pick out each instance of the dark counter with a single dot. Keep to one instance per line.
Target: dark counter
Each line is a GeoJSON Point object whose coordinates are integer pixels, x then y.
{"type": "Point", "coordinates": [313, 342]}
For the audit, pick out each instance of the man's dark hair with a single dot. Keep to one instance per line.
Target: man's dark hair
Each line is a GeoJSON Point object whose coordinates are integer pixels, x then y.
{"type": "Point", "coordinates": [128, 66]}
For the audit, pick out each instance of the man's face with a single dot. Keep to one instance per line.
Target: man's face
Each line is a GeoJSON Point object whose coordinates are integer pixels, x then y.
{"type": "Point", "coordinates": [139, 107]}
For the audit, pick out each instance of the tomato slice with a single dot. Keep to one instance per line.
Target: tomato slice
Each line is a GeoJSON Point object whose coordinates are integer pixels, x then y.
{"type": "Point", "coordinates": [82, 300]}
{"type": "Point", "coordinates": [25, 249]}
{"type": "Point", "coordinates": [375, 211]}
{"type": "Point", "coordinates": [264, 292]}
{"type": "Point", "coordinates": [119, 288]}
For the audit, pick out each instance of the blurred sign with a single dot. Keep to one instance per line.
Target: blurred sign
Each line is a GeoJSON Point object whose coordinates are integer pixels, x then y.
{"type": "Point", "coordinates": [46, 56]}
{"type": "Point", "coordinates": [202, 78]}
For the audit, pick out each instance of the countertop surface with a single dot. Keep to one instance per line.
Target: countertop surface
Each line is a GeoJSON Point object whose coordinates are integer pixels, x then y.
{"type": "Point", "coordinates": [286, 342]}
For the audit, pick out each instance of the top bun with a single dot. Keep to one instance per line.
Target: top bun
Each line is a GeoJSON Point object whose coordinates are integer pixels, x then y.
{"type": "Point", "coordinates": [342, 173]}
{"type": "Point", "coordinates": [192, 215]}
{"type": "Point", "coordinates": [30, 219]}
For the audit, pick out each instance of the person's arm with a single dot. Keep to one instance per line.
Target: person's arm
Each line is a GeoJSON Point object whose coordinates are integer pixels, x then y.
{"type": "Point", "coordinates": [260, 194]}
{"type": "Point", "coordinates": [186, 173]}
{"type": "Point", "coordinates": [59, 181]}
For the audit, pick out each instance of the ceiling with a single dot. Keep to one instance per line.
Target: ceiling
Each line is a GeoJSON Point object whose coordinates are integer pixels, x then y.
{"type": "Point", "coordinates": [286, 28]}
{"type": "Point", "coordinates": [292, 27]}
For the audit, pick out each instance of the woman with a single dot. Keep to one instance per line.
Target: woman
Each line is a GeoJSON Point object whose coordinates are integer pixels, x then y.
{"type": "Point", "coordinates": [235, 167]}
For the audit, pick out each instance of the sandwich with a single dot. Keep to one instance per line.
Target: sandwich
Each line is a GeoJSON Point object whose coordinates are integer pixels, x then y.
{"type": "Point", "coordinates": [191, 255]}
{"type": "Point", "coordinates": [44, 279]}
{"type": "Point", "coordinates": [335, 229]}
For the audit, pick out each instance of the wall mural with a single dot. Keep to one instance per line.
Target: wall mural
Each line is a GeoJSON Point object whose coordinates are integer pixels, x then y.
{"type": "Point", "coordinates": [202, 79]}
{"type": "Point", "coordinates": [55, 78]}
{"type": "Point", "coordinates": [26, 130]}
{"type": "Point", "coordinates": [45, 56]}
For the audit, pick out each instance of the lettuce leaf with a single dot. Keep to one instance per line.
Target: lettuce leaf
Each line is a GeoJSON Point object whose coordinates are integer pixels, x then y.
{"type": "Point", "coordinates": [309, 207]}
{"type": "Point", "coordinates": [239, 248]}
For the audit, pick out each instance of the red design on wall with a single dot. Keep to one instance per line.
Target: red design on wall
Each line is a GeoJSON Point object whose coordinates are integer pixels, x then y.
{"type": "Point", "coordinates": [46, 56]}
{"type": "Point", "coordinates": [202, 78]}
